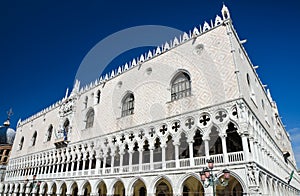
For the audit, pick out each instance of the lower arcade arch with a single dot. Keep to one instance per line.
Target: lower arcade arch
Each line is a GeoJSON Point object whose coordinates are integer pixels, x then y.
{"type": "Point", "coordinates": [119, 189]}
{"type": "Point", "coordinates": [139, 188]}
{"type": "Point", "coordinates": [74, 189]}
{"type": "Point", "coordinates": [53, 190]}
{"type": "Point", "coordinates": [44, 189]}
{"type": "Point", "coordinates": [192, 187]}
{"type": "Point", "coordinates": [63, 189]}
{"type": "Point", "coordinates": [87, 189]}
{"type": "Point", "coordinates": [163, 188]}
{"type": "Point", "coordinates": [234, 187]}
{"type": "Point", "coordinates": [101, 189]}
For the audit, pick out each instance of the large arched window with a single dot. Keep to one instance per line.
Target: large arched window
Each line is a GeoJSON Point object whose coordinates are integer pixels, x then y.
{"type": "Point", "coordinates": [49, 133]}
{"type": "Point", "coordinates": [180, 86]}
{"type": "Point", "coordinates": [128, 105]}
{"type": "Point", "coordinates": [33, 140]}
{"type": "Point", "coordinates": [90, 118]}
{"type": "Point", "coordinates": [21, 143]}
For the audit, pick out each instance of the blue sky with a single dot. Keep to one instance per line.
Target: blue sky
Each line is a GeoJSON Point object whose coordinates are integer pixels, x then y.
{"type": "Point", "coordinates": [42, 44]}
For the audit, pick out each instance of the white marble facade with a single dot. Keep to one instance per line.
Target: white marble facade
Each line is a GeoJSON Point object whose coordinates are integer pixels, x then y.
{"type": "Point", "coordinates": [149, 129]}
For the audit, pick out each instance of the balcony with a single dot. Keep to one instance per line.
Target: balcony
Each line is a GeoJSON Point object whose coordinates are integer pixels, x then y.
{"type": "Point", "coordinates": [197, 162]}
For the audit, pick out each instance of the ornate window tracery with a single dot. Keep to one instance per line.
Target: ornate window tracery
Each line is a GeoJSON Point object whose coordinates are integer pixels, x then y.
{"type": "Point", "coordinates": [90, 118]}
{"type": "Point", "coordinates": [128, 105]}
{"type": "Point", "coordinates": [180, 86]}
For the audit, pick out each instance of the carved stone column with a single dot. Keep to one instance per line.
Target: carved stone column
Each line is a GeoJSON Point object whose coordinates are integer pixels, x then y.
{"type": "Point", "coordinates": [112, 155]}
{"type": "Point", "coordinates": [130, 152]}
{"type": "Point", "coordinates": [191, 152]}
{"type": "Point", "coordinates": [98, 163]}
{"type": "Point", "coordinates": [163, 155]}
{"type": "Point", "coordinates": [151, 157]}
{"type": "Point", "coordinates": [176, 146]}
{"type": "Point", "coordinates": [121, 152]}
{"type": "Point", "coordinates": [224, 147]}
{"type": "Point", "coordinates": [104, 164]}
{"type": "Point", "coordinates": [206, 145]}
{"type": "Point", "coordinates": [253, 153]}
{"type": "Point", "coordinates": [245, 146]}
{"type": "Point", "coordinates": [140, 158]}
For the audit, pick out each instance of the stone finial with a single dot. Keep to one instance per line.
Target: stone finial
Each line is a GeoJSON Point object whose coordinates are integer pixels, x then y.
{"type": "Point", "coordinates": [218, 20]}
{"type": "Point", "coordinates": [206, 26]}
{"type": "Point", "coordinates": [158, 51]}
{"type": "Point", "coordinates": [126, 67]}
{"type": "Point", "coordinates": [76, 87]}
{"type": "Point", "coordinates": [225, 12]}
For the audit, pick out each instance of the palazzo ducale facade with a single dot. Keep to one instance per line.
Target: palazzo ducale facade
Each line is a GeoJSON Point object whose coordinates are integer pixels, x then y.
{"type": "Point", "coordinates": [150, 127]}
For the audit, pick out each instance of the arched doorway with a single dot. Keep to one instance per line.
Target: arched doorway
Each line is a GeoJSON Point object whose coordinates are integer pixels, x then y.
{"type": "Point", "coordinates": [87, 189]}
{"type": "Point", "coordinates": [163, 188]}
{"type": "Point", "coordinates": [102, 191]}
{"type": "Point", "coordinates": [192, 187]}
{"type": "Point", "coordinates": [119, 189]}
{"type": "Point", "coordinates": [139, 188]}
{"type": "Point", "coordinates": [234, 188]}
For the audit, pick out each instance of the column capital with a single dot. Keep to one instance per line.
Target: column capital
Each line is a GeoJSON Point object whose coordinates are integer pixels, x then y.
{"type": "Point", "coordinates": [163, 145]}
{"type": "Point", "coordinates": [223, 135]}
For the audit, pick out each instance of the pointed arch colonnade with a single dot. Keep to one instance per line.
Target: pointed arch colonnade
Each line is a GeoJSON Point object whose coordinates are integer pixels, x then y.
{"type": "Point", "coordinates": [227, 133]}
{"type": "Point", "coordinates": [160, 185]}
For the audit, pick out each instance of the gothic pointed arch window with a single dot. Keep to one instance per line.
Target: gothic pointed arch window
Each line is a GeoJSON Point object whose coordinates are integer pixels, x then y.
{"type": "Point", "coordinates": [233, 139]}
{"type": "Point", "coordinates": [90, 118]}
{"type": "Point", "coordinates": [128, 104]}
{"type": "Point", "coordinates": [66, 128]}
{"type": "Point", "coordinates": [33, 139]}
{"type": "Point", "coordinates": [180, 86]}
{"type": "Point", "coordinates": [49, 133]}
{"type": "Point", "coordinates": [252, 93]}
{"type": "Point", "coordinates": [21, 143]}
{"type": "Point", "coordinates": [198, 145]}
{"type": "Point", "coordinates": [215, 142]}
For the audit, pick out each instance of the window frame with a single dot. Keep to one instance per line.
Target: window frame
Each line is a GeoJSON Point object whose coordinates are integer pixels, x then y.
{"type": "Point", "coordinates": [33, 139]}
{"type": "Point", "coordinates": [89, 119]}
{"type": "Point", "coordinates": [49, 133]}
{"type": "Point", "coordinates": [127, 105]}
{"type": "Point", "coordinates": [181, 86]}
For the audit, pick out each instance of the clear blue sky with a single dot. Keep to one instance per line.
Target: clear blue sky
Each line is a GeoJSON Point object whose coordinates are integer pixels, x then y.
{"type": "Point", "coordinates": [42, 44]}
